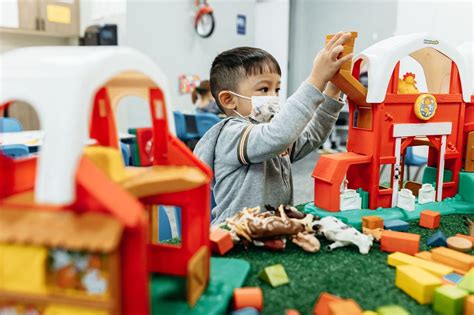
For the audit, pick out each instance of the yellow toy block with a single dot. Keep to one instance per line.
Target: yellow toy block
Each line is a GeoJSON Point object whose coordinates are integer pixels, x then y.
{"type": "Point", "coordinates": [108, 160]}
{"type": "Point", "coordinates": [453, 258]}
{"type": "Point", "coordinates": [369, 313]}
{"type": "Point", "coordinates": [417, 283]}
{"type": "Point", "coordinates": [424, 255]}
{"type": "Point", "coordinates": [398, 259]}
{"type": "Point", "coordinates": [22, 268]}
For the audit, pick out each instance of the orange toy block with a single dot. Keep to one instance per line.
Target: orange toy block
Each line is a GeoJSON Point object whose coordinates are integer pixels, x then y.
{"type": "Point", "coordinates": [453, 258]}
{"type": "Point", "coordinates": [344, 307]}
{"type": "Point", "coordinates": [372, 222]}
{"type": "Point", "coordinates": [429, 219]}
{"type": "Point", "coordinates": [469, 305]}
{"type": "Point", "coordinates": [292, 312]}
{"type": "Point", "coordinates": [221, 241]}
{"type": "Point", "coordinates": [393, 241]}
{"type": "Point", "coordinates": [322, 304]}
{"type": "Point", "coordinates": [248, 297]}
{"type": "Point", "coordinates": [470, 238]}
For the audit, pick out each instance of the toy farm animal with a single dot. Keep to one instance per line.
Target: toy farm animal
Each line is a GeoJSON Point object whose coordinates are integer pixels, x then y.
{"type": "Point", "coordinates": [342, 234]}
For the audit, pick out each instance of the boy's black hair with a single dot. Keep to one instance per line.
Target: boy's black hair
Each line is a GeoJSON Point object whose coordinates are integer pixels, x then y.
{"type": "Point", "coordinates": [232, 65]}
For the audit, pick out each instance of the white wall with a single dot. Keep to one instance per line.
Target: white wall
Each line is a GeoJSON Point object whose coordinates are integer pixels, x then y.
{"type": "Point", "coordinates": [272, 25]}
{"type": "Point", "coordinates": [164, 30]}
{"type": "Point", "coordinates": [312, 20]}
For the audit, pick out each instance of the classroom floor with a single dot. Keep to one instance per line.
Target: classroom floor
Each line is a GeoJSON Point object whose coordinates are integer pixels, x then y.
{"type": "Point", "coordinates": [365, 278]}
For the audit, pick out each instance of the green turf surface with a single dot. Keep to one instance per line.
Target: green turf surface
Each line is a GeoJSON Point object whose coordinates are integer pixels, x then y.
{"type": "Point", "coordinates": [344, 272]}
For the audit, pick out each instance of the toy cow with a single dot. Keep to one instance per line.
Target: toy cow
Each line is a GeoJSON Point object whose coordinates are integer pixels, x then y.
{"type": "Point", "coordinates": [342, 234]}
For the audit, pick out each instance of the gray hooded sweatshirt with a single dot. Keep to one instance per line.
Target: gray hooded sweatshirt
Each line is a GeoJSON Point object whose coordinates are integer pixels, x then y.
{"type": "Point", "coordinates": [252, 162]}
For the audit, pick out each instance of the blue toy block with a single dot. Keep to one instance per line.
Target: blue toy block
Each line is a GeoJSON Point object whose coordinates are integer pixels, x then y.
{"type": "Point", "coordinates": [396, 225]}
{"type": "Point", "coordinates": [437, 239]}
{"type": "Point", "coordinates": [453, 278]}
{"type": "Point", "coordinates": [246, 311]}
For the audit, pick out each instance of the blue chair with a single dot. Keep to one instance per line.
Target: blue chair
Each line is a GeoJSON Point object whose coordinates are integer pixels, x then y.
{"type": "Point", "coordinates": [15, 150]}
{"type": "Point", "coordinates": [181, 130]}
{"type": "Point", "coordinates": [411, 159]}
{"type": "Point", "coordinates": [125, 153]}
{"type": "Point", "coordinates": [10, 125]}
{"type": "Point", "coordinates": [204, 122]}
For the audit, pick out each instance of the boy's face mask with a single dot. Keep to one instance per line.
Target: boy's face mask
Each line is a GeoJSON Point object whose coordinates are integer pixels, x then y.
{"type": "Point", "coordinates": [263, 107]}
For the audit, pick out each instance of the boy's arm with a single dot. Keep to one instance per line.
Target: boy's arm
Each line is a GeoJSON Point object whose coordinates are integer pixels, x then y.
{"type": "Point", "coordinates": [264, 141]}
{"type": "Point", "coordinates": [317, 130]}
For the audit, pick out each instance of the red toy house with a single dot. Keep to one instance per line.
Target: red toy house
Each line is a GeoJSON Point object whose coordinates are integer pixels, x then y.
{"type": "Point", "coordinates": [391, 115]}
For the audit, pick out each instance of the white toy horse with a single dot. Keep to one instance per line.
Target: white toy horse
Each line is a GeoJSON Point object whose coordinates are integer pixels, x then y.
{"type": "Point", "coordinates": [342, 234]}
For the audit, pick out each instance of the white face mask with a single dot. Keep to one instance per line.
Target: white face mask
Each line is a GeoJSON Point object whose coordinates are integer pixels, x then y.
{"type": "Point", "coordinates": [263, 107]}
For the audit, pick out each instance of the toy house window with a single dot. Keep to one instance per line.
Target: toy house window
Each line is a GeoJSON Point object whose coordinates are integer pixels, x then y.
{"type": "Point", "coordinates": [362, 118]}
{"type": "Point", "coordinates": [432, 71]}
{"type": "Point", "coordinates": [385, 176]}
{"type": "Point", "coordinates": [166, 225]}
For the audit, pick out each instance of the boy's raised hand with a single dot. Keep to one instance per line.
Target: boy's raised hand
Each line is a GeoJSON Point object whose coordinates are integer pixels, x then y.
{"type": "Point", "coordinates": [326, 63]}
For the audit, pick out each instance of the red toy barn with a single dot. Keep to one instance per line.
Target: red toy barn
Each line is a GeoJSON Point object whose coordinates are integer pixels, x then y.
{"type": "Point", "coordinates": [392, 115]}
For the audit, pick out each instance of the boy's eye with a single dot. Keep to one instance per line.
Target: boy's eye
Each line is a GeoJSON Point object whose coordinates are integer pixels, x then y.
{"type": "Point", "coordinates": [277, 90]}
{"type": "Point", "coordinates": [264, 89]}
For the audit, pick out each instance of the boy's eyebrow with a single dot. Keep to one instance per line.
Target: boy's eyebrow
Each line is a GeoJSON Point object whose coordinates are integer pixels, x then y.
{"type": "Point", "coordinates": [267, 81]}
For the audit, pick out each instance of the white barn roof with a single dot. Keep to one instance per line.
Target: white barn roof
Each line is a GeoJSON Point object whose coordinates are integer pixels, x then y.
{"type": "Point", "coordinates": [60, 83]}
{"type": "Point", "coordinates": [382, 57]}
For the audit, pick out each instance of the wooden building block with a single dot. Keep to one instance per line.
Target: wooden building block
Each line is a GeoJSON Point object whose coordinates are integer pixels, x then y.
{"type": "Point", "coordinates": [453, 278]}
{"type": "Point", "coordinates": [396, 225]}
{"type": "Point", "coordinates": [425, 255]}
{"type": "Point", "coordinates": [469, 305]}
{"type": "Point", "coordinates": [467, 283]}
{"type": "Point", "coordinates": [292, 312]}
{"type": "Point", "coordinates": [459, 243]}
{"type": "Point", "coordinates": [437, 239]}
{"type": "Point", "coordinates": [248, 297]}
{"type": "Point", "coordinates": [344, 307]}
{"type": "Point", "coordinates": [322, 304]}
{"type": "Point", "coordinates": [449, 300]}
{"type": "Point", "coordinates": [417, 282]}
{"type": "Point", "coordinates": [453, 258]}
{"type": "Point", "coordinates": [221, 241]}
{"type": "Point", "coordinates": [246, 311]}
{"type": "Point", "coordinates": [393, 241]}
{"type": "Point", "coordinates": [372, 222]}
{"type": "Point", "coordinates": [470, 238]}
{"type": "Point", "coordinates": [398, 259]}
{"type": "Point", "coordinates": [429, 219]}
{"type": "Point", "coordinates": [391, 310]}
{"type": "Point", "coordinates": [275, 275]}
{"type": "Point", "coordinates": [370, 313]}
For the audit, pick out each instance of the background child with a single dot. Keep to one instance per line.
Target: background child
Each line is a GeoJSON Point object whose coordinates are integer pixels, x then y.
{"type": "Point", "coordinates": [202, 97]}
{"type": "Point", "coordinates": [251, 151]}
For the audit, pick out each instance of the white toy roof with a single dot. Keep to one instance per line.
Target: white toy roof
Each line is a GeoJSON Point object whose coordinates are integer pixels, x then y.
{"type": "Point", "coordinates": [60, 83]}
{"type": "Point", "coordinates": [382, 57]}
{"type": "Point", "coordinates": [467, 50]}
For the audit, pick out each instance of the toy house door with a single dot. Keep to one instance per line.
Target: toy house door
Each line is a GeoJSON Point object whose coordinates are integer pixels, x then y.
{"type": "Point", "coordinates": [404, 131]}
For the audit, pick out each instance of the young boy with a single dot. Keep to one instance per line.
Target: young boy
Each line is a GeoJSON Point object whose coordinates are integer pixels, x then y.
{"type": "Point", "coordinates": [251, 151]}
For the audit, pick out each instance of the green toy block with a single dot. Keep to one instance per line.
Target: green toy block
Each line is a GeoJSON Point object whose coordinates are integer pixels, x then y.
{"type": "Point", "coordinates": [275, 275]}
{"type": "Point", "coordinates": [430, 174]}
{"type": "Point", "coordinates": [449, 300]}
{"type": "Point", "coordinates": [364, 195]}
{"type": "Point", "coordinates": [467, 282]}
{"type": "Point", "coordinates": [392, 310]}
{"type": "Point", "coordinates": [466, 186]}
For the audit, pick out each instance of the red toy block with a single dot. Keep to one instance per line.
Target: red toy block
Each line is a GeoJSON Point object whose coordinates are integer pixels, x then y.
{"type": "Point", "coordinates": [221, 241]}
{"type": "Point", "coordinates": [322, 304]}
{"type": "Point", "coordinates": [429, 219]}
{"type": "Point", "coordinates": [344, 307]}
{"type": "Point", "coordinates": [393, 241]}
{"type": "Point", "coordinates": [372, 222]}
{"type": "Point", "coordinates": [248, 297]}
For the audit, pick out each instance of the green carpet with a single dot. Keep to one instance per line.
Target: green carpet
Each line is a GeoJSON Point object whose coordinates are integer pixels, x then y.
{"type": "Point", "coordinates": [344, 272]}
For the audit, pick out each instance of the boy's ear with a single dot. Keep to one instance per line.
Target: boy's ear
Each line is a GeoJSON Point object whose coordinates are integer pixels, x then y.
{"type": "Point", "coordinates": [227, 100]}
